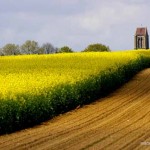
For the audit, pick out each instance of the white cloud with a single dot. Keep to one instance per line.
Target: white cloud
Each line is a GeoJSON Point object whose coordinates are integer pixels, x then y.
{"type": "Point", "coordinates": [76, 23]}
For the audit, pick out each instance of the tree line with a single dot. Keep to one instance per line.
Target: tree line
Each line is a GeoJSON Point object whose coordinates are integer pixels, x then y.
{"type": "Point", "coordinates": [32, 47]}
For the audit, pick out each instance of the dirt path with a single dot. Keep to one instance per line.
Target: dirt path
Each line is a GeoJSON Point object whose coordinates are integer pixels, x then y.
{"type": "Point", "coordinates": [119, 121]}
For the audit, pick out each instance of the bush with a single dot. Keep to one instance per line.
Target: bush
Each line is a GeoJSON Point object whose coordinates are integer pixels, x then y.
{"type": "Point", "coordinates": [97, 48]}
{"type": "Point", "coordinates": [65, 49]}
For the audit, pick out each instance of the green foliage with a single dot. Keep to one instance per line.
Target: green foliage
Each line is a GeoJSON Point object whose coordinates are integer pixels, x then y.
{"type": "Point", "coordinates": [97, 48]}
{"type": "Point", "coordinates": [28, 109]}
{"type": "Point", "coordinates": [65, 49]}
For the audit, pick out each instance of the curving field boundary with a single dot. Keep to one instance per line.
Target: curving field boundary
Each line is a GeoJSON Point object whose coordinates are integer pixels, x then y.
{"type": "Point", "coordinates": [118, 121]}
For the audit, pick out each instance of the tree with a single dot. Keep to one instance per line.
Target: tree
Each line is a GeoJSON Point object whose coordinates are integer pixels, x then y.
{"type": "Point", "coordinates": [11, 49]}
{"type": "Point", "coordinates": [97, 48]}
{"type": "Point", "coordinates": [40, 50]}
{"type": "Point", "coordinates": [48, 48]}
{"type": "Point", "coordinates": [65, 49]}
{"type": "Point", "coordinates": [30, 47]}
{"type": "Point", "coordinates": [1, 52]}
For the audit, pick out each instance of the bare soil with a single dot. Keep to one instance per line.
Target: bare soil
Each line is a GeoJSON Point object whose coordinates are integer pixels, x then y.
{"type": "Point", "coordinates": [118, 121]}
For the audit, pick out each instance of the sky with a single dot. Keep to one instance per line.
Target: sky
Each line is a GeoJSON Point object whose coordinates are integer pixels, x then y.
{"type": "Point", "coordinates": [73, 23]}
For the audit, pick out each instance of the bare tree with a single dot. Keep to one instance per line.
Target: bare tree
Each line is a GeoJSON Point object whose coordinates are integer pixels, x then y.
{"type": "Point", "coordinates": [48, 48]}
{"type": "Point", "coordinates": [10, 49]}
{"type": "Point", "coordinates": [30, 47]}
{"type": "Point", "coordinates": [41, 50]}
{"type": "Point", "coordinates": [1, 52]}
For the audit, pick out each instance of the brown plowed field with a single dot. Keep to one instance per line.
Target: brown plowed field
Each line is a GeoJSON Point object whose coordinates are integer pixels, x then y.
{"type": "Point", "coordinates": [119, 121]}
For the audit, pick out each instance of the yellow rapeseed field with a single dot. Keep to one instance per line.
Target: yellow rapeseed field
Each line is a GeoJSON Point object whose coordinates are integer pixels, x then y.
{"type": "Point", "coordinates": [34, 88]}
{"type": "Point", "coordinates": [34, 73]}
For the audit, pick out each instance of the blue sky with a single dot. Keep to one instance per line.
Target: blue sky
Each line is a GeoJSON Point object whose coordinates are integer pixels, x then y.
{"type": "Point", "coordinates": [75, 23]}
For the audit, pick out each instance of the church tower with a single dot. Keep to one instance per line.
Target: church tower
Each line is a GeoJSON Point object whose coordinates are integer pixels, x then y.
{"type": "Point", "coordinates": [141, 39]}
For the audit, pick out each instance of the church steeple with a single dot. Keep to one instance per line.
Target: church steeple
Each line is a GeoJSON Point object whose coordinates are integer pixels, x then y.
{"type": "Point", "coordinates": [141, 38]}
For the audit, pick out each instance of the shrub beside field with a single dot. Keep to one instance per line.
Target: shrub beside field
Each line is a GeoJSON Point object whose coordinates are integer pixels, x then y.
{"type": "Point", "coordinates": [36, 88]}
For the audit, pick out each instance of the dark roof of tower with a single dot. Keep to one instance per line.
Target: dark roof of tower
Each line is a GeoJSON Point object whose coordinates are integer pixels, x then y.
{"type": "Point", "coordinates": [141, 31]}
